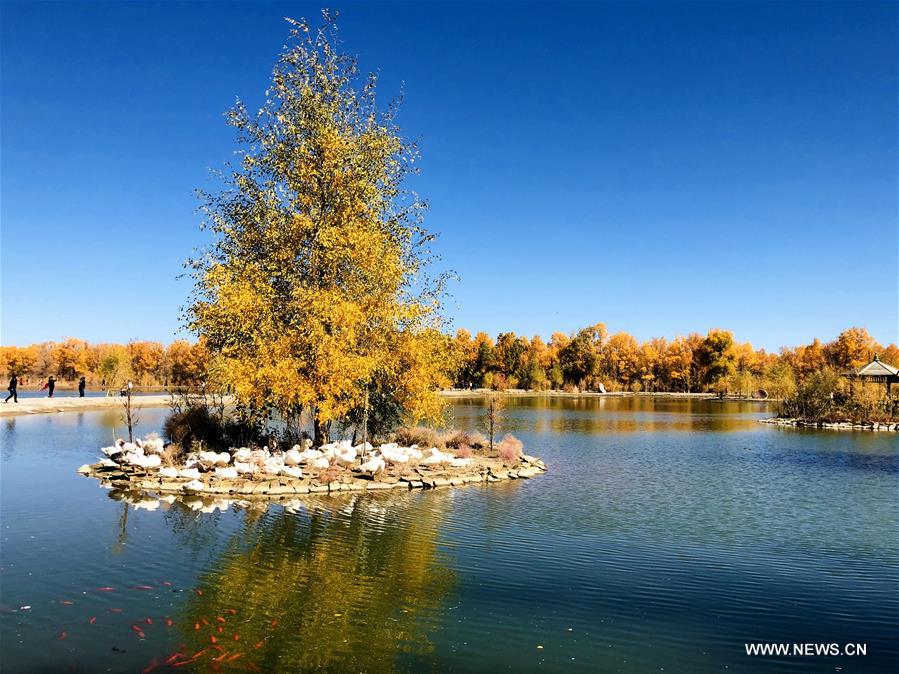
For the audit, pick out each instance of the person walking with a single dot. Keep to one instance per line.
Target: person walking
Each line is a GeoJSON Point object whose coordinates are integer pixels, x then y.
{"type": "Point", "coordinates": [13, 389]}
{"type": "Point", "coordinates": [81, 385]}
{"type": "Point", "coordinates": [51, 384]}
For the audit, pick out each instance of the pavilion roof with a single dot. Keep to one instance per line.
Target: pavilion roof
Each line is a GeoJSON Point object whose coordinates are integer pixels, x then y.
{"type": "Point", "coordinates": [876, 368]}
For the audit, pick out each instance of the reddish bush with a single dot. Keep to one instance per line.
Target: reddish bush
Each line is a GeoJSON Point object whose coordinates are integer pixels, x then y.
{"type": "Point", "coordinates": [330, 473]}
{"type": "Point", "coordinates": [463, 452]}
{"type": "Point", "coordinates": [509, 448]}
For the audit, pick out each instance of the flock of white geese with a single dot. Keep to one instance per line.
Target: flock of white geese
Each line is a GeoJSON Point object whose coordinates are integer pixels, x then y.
{"type": "Point", "coordinates": [265, 463]}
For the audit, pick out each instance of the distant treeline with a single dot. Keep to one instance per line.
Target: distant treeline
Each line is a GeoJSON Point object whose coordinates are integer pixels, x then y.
{"type": "Point", "coordinates": [592, 359]}
{"type": "Point", "coordinates": [181, 363]}
{"type": "Point", "coordinates": [588, 360]}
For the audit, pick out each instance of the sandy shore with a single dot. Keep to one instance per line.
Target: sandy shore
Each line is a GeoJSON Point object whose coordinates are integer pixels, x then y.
{"type": "Point", "coordinates": [56, 405]}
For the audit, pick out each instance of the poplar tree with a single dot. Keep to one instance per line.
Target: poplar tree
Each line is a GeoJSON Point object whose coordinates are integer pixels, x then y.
{"type": "Point", "coordinates": [316, 283]}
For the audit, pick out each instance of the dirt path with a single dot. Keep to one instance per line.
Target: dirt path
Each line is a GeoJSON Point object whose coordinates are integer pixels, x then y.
{"type": "Point", "coordinates": [55, 405]}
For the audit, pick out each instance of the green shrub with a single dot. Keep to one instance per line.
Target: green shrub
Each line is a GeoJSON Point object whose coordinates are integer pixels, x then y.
{"type": "Point", "coordinates": [816, 398]}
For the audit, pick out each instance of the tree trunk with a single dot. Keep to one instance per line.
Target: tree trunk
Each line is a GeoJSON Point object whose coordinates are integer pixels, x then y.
{"type": "Point", "coordinates": [319, 432]}
{"type": "Point", "coordinates": [365, 424]}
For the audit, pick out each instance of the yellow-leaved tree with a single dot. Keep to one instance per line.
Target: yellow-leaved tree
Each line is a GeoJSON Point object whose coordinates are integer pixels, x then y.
{"type": "Point", "coordinates": [315, 288]}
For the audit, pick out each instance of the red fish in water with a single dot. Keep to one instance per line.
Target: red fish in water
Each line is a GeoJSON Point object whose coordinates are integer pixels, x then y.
{"type": "Point", "coordinates": [168, 622]}
{"type": "Point", "coordinates": [236, 637]}
{"type": "Point", "coordinates": [142, 587]}
{"type": "Point", "coordinates": [115, 610]}
{"type": "Point", "coordinates": [92, 620]}
{"type": "Point", "coordinates": [199, 592]}
{"type": "Point", "coordinates": [232, 611]}
{"type": "Point", "coordinates": [166, 583]}
{"type": "Point", "coordinates": [221, 657]}
{"type": "Point", "coordinates": [174, 656]}
{"type": "Point", "coordinates": [274, 623]}
{"type": "Point", "coordinates": [197, 626]}
{"type": "Point", "coordinates": [154, 663]}
{"type": "Point", "coordinates": [235, 657]}
{"type": "Point", "coordinates": [149, 621]}
{"type": "Point", "coordinates": [105, 589]}
{"type": "Point", "coordinates": [141, 635]}
{"type": "Point", "coordinates": [259, 644]}
{"type": "Point", "coordinates": [62, 635]}
{"type": "Point", "coordinates": [204, 621]}
{"type": "Point", "coordinates": [220, 619]}
{"type": "Point", "coordinates": [196, 656]}
{"type": "Point", "coordinates": [67, 602]}
{"type": "Point", "coordinates": [212, 639]}
{"type": "Point", "coordinates": [220, 629]}
{"type": "Point", "coordinates": [136, 628]}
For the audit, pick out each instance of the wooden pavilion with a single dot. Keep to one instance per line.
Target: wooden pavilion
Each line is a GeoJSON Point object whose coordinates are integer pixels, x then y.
{"type": "Point", "coordinates": [878, 372]}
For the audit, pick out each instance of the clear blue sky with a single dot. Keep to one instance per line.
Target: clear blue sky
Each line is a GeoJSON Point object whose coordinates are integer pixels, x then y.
{"type": "Point", "coordinates": [662, 168]}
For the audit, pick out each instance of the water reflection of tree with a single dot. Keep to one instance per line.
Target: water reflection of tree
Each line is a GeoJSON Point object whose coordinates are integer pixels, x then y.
{"type": "Point", "coordinates": [351, 585]}
{"type": "Point", "coordinates": [121, 538]}
{"type": "Point", "coordinates": [9, 439]}
{"type": "Point", "coordinates": [593, 415]}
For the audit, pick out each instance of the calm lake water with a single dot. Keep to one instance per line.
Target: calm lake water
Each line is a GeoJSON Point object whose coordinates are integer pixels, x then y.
{"type": "Point", "coordinates": [666, 534]}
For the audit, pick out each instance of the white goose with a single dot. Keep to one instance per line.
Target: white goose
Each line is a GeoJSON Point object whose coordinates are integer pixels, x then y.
{"type": "Point", "coordinates": [293, 471]}
{"type": "Point", "coordinates": [293, 457]}
{"type": "Point", "coordinates": [374, 465]}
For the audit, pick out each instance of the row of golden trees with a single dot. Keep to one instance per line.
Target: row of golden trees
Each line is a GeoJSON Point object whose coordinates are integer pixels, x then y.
{"type": "Point", "coordinates": [585, 360]}
{"type": "Point", "coordinates": [592, 359]}
{"type": "Point", "coordinates": [145, 363]}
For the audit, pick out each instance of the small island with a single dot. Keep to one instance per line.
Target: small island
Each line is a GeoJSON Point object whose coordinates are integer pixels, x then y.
{"type": "Point", "coordinates": [858, 399]}
{"type": "Point", "coordinates": [148, 466]}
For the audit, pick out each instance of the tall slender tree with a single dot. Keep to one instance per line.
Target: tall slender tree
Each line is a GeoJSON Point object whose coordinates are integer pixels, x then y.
{"type": "Point", "coordinates": [316, 283]}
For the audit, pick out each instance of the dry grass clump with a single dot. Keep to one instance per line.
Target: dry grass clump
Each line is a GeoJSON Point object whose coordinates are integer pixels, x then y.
{"type": "Point", "coordinates": [172, 456]}
{"type": "Point", "coordinates": [419, 435]}
{"type": "Point", "coordinates": [459, 439]}
{"type": "Point", "coordinates": [510, 448]}
{"type": "Point", "coordinates": [446, 440]}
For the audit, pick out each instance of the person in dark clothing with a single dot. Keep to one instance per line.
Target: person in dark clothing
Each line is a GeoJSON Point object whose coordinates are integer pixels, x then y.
{"type": "Point", "coordinates": [13, 389]}
{"type": "Point", "coordinates": [81, 385]}
{"type": "Point", "coordinates": [51, 384]}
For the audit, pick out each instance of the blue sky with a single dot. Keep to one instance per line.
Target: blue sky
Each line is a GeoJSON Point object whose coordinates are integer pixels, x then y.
{"type": "Point", "coordinates": [663, 168]}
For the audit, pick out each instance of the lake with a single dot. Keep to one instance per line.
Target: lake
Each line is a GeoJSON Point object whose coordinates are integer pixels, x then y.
{"type": "Point", "coordinates": [666, 534]}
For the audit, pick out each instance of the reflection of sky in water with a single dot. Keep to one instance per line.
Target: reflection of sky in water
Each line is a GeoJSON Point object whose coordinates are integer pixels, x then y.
{"type": "Point", "coordinates": [666, 534]}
